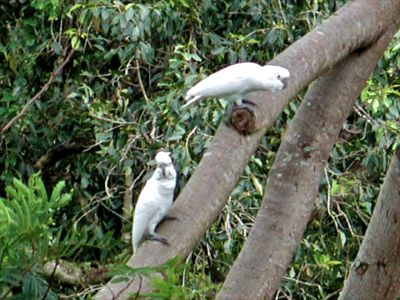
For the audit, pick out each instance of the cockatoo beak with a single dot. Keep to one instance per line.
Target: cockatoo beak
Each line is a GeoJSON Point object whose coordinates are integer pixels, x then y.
{"type": "Point", "coordinates": [285, 83]}
{"type": "Point", "coordinates": [163, 169]}
{"type": "Point", "coordinates": [190, 102]}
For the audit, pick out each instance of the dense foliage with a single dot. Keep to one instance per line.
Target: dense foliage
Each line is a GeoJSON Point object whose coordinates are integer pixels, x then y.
{"type": "Point", "coordinates": [121, 96]}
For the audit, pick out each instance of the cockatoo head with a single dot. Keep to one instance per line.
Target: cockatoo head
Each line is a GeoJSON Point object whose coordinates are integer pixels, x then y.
{"type": "Point", "coordinates": [163, 160]}
{"type": "Point", "coordinates": [274, 77]}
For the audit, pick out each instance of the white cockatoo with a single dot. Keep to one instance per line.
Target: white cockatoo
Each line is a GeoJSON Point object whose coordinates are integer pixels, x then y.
{"type": "Point", "coordinates": [233, 83]}
{"type": "Point", "coordinates": [154, 202]}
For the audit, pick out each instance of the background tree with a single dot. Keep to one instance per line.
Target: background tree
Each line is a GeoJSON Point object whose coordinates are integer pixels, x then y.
{"type": "Point", "coordinates": [289, 202]}
{"type": "Point", "coordinates": [375, 272]}
{"type": "Point", "coordinates": [121, 93]}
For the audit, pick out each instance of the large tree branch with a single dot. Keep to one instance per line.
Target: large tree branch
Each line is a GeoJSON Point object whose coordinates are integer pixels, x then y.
{"type": "Point", "coordinates": [295, 176]}
{"type": "Point", "coordinates": [355, 26]}
{"type": "Point", "coordinates": [358, 24]}
{"type": "Point", "coordinates": [61, 151]}
{"type": "Point", "coordinates": [376, 271]}
{"type": "Point", "coordinates": [53, 76]}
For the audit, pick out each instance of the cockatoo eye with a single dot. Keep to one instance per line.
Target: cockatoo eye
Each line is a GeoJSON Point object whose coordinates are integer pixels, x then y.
{"type": "Point", "coordinates": [279, 76]}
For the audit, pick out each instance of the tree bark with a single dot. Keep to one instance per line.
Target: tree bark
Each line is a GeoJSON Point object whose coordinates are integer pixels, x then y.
{"type": "Point", "coordinates": [375, 274]}
{"type": "Point", "coordinates": [295, 176]}
{"type": "Point", "coordinates": [358, 24]}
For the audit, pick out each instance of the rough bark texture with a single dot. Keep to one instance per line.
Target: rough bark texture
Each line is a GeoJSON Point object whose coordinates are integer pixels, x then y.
{"type": "Point", "coordinates": [358, 24]}
{"type": "Point", "coordinates": [375, 273]}
{"type": "Point", "coordinates": [295, 176]}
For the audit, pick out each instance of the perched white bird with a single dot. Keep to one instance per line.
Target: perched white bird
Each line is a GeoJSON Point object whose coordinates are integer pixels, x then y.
{"type": "Point", "coordinates": [154, 202]}
{"type": "Point", "coordinates": [233, 83]}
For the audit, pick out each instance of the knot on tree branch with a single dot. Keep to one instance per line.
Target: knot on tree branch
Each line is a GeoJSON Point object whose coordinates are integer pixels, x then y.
{"type": "Point", "coordinates": [307, 149]}
{"type": "Point", "coordinates": [361, 268]}
{"type": "Point", "coordinates": [242, 119]}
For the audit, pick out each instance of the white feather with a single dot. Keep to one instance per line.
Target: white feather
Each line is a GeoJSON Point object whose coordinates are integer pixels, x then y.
{"type": "Point", "coordinates": [155, 200]}
{"type": "Point", "coordinates": [233, 83]}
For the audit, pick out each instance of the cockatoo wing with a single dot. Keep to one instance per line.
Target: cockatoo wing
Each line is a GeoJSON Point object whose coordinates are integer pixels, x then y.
{"type": "Point", "coordinates": [233, 80]}
{"type": "Point", "coordinates": [145, 210]}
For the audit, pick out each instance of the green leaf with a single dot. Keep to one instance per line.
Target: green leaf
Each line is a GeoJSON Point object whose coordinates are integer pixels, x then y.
{"type": "Point", "coordinates": [257, 185]}
{"type": "Point", "coordinates": [375, 105]}
{"type": "Point", "coordinates": [218, 51]}
{"type": "Point", "coordinates": [74, 7]}
{"type": "Point", "coordinates": [75, 42]}
{"type": "Point", "coordinates": [56, 193]}
{"type": "Point", "coordinates": [57, 48]}
{"type": "Point", "coordinates": [342, 237]}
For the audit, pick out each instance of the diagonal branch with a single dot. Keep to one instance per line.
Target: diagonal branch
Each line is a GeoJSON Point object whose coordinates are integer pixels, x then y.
{"type": "Point", "coordinates": [295, 176]}
{"type": "Point", "coordinates": [356, 25]}
{"type": "Point", "coordinates": [53, 76]}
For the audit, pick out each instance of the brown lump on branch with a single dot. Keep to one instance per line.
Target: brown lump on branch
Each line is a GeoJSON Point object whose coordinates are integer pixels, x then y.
{"type": "Point", "coordinates": [242, 119]}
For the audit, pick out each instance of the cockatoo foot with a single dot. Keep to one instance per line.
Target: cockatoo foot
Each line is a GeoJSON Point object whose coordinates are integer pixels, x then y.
{"type": "Point", "coordinates": [246, 102]}
{"type": "Point", "coordinates": [156, 237]}
{"type": "Point", "coordinates": [170, 218]}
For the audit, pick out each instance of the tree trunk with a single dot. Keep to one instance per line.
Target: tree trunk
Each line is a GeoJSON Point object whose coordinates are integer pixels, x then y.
{"type": "Point", "coordinates": [295, 176]}
{"type": "Point", "coordinates": [375, 274]}
{"type": "Point", "coordinates": [358, 23]}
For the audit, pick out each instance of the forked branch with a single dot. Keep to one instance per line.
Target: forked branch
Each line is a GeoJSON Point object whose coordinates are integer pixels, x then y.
{"type": "Point", "coordinates": [53, 76]}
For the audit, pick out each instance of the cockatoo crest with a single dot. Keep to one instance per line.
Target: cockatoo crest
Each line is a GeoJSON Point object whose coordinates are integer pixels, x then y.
{"type": "Point", "coordinates": [163, 158]}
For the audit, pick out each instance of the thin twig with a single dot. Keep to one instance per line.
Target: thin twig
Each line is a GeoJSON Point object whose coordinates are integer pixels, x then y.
{"type": "Point", "coordinates": [140, 81]}
{"type": "Point", "coordinates": [53, 76]}
{"type": "Point", "coordinates": [262, 30]}
{"type": "Point", "coordinates": [342, 213]}
{"type": "Point", "coordinates": [136, 180]}
{"type": "Point", "coordinates": [282, 12]}
{"type": "Point", "coordinates": [362, 113]}
{"type": "Point", "coordinates": [116, 214]}
{"type": "Point", "coordinates": [187, 142]}
{"type": "Point", "coordinates": [85, 292]}
{"type": "Point", "coordinates": [153, 128]}
{"type": "Point", "coordinates": [328, 204]}
{"type": "Point", "coordinates": [128, 65]}
{"type": "Point", "coordinates": [137, 294]}
{"type": "Point", "coordinates": [297, 281]}
{"type": "Point", "coordinates": [106, 182]}
{"type": "Point", "coordinates": [112, 121]}
{"type": "Point", "coordinates": [51, 278]}
{"type": "Point", "coordinates": [128, 147]}
{"type": "Point", "coordinates": [116, 296]}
